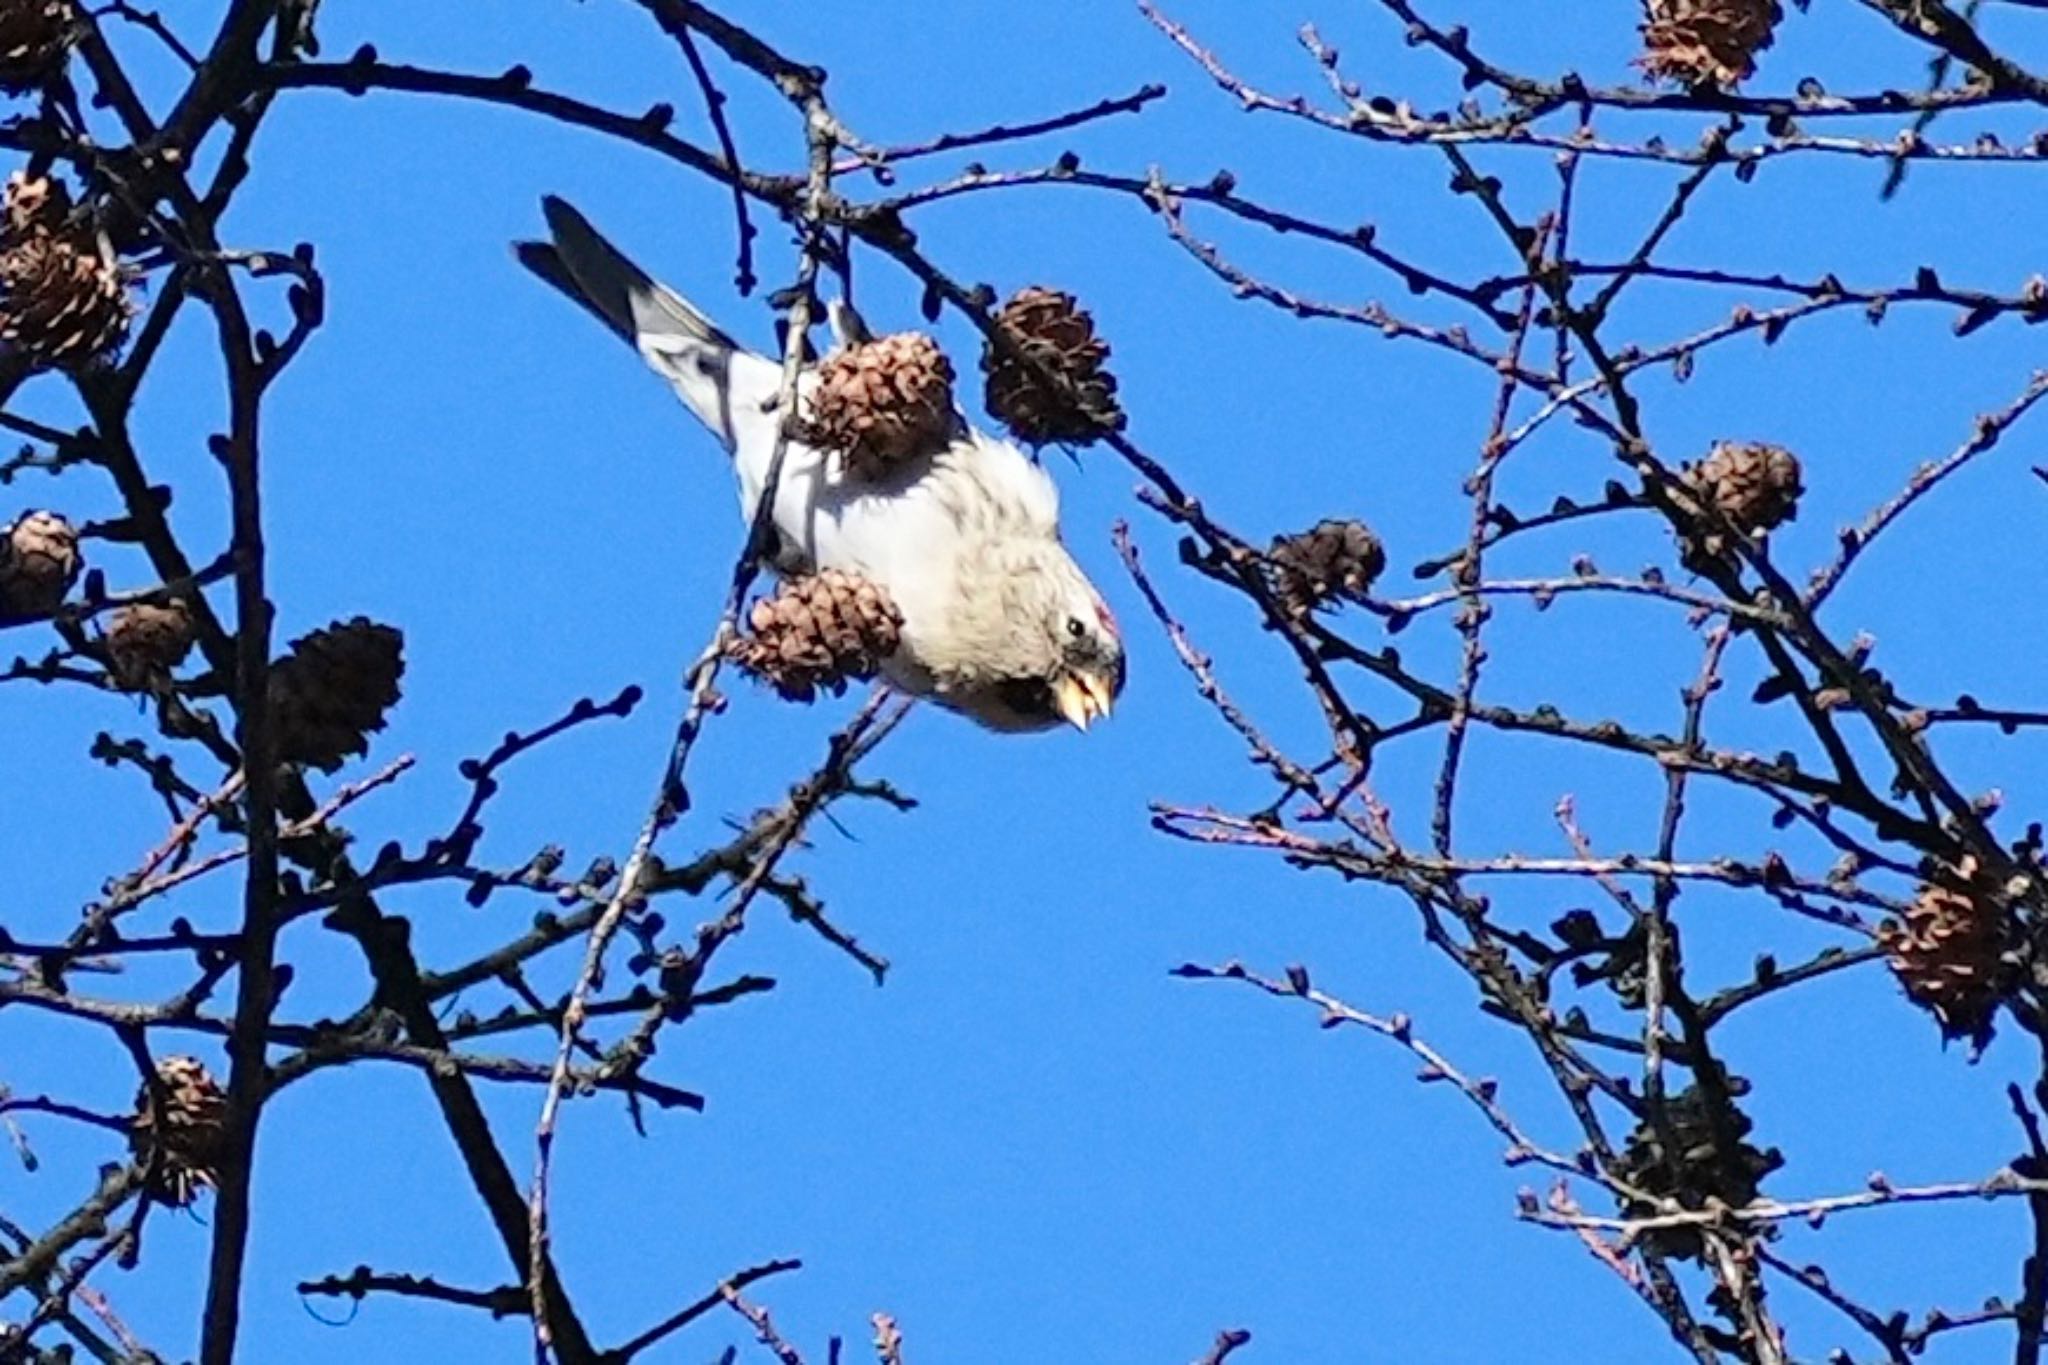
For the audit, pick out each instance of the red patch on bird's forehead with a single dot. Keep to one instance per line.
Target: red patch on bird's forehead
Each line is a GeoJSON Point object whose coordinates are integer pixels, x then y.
{"type": "Point", "coordinates": [1103, 614]}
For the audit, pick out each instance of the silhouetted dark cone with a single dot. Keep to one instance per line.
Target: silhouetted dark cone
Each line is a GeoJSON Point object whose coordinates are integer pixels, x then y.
{"type": "Point", "coordinates": [818, 632]}
{"type": "Point", "coordinates": [332, 690]}
{"type": "Point", "coordinates": [1755, 486]}
{"type": "Point", "coordinates": [1695, 1169]}
{"type": "Point", "coordinates": [1049, 328]}
{"type": "Point", "coordinates": [1331, 559]}
{"type": "Point", "coordinates": [33, 203]}
{"type": "Point", "coordinates": [883, 401]}
{"type": "Point", "coordinates": [1706, 42]}
{"type": "Point", "coordinates": [1948, 950]}
{"type": "Point", "coordinates": [35, 36]}
{"type": "Point", "coordinates": [63, 297]}
{"type": "Point", "coordinates": [183, 1141]}
{"type": "Point", "coordinates": [145, 642]}
{"type": "Point", "coordinates": [39, 561]}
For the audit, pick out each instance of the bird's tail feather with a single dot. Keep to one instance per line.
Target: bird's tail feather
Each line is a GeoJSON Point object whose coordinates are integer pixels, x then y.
{"type": "Point", "coordinates": [543, 260]}
{"type": "Point", "coordinates": [603, 279]}
{"type": "Point", "coordinates": [677, 340]}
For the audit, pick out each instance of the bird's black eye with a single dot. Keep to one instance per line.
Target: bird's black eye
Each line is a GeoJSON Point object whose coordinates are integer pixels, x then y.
{"type": "Point", "coordinates": [1075, 630]}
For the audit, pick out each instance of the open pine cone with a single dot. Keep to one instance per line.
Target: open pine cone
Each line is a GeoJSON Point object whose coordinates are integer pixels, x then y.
{"type": "Point", "coordinates": [1054, 332]}
{"type": "Point", "coordinates": [1755, 486]}
{"type": "Point", "coordinates": [819, 631]}
{"type": "Point", "coordinates": [35, 37]}
{"type": "Point", "coordinates": [1949, 951]}
{"type": "Point", "coordinates": [332, 690]}
{"type": "Point", "coordinates": [1696, 1168]}
{"type": "Point", "coordinates": [883, 402]}
{"type": "Point", "coordinates": [182, 1142]}
{"type": "Point", "coordinates": [1329, 560]}
{"type": "Point", "coordinates": [145, 642]}
{"type": "Point", "coordinates": [63, 297]}
{"type": "Point", "coordinates": [39, 561]}
{"type": "Point", "coordinates": [1706, 42]}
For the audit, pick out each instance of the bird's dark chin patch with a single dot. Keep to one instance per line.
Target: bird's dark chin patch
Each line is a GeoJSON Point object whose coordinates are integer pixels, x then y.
{"type": "Point", "coordinates": [1029, 698]}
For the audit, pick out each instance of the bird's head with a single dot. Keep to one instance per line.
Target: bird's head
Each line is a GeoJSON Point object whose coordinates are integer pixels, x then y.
{"type": "Point", "coordinates": [1049, 652]}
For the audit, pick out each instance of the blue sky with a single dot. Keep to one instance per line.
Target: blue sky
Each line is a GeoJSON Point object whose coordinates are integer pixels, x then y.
{"type": "Point", "coordinates": [1033, 1143]}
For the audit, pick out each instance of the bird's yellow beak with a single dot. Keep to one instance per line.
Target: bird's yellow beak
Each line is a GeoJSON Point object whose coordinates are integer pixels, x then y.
{"type": "Point", "coordinates": [1082, 697]}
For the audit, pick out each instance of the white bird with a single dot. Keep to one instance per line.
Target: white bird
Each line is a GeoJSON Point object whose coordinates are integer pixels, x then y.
{"type": "Point", "coordinates": [999, 622]}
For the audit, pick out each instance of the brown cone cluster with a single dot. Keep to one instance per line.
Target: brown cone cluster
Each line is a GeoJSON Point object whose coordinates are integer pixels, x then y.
{"type": "Point", "coordinates": [332, 690]}
{"type": "Point", "coordinates": [883, 402]}
{"type": "Point", "coordinates": [35, 38]}
{"type": "Point", "coordinates": [819, 631]}
{"type": "Point", "coordinates": [1710, 43]}
{"type": "Point", "coordinates": [1331, 559]}
{"type": "Point", "coordinates": [182, 1142]}
{"type": "Point", "coordinates": [1949, 951]}
{"type": "Point", "coordinates": [1754, 486]}
{"type": "Point", "coordinates": [39, 561]}
{"type": "Point", "coordinates": [1696, 1167]}
{"type": "Point", "coordinates": [1052, 332]}
{"type": "Point", "coordinates": [63, 297]}
{"type": "Point", "coordinates": [146, 641]}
